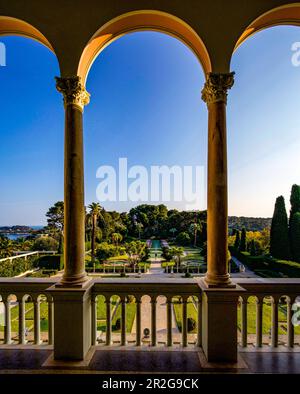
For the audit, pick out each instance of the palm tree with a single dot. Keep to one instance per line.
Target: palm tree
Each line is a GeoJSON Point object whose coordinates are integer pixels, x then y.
{"type": "Point", "coordinates": [116, 238]}
{"type": "Point", "coordinates": [173, 231]}
{"type": "Point", "coordinates": [94, 213]}
{"type": "Point", "coordinates": [139, 226]}
{"type": "Point", "coordinates": [194, 228]}
{"type": "Point", "coordinates": [177, 251]}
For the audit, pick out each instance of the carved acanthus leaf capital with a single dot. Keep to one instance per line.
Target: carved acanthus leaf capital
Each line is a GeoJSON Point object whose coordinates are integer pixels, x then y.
{"type": "Point", "coordinates": [73, 91]}
{"type": "Point", "coordinates": [216, 87]}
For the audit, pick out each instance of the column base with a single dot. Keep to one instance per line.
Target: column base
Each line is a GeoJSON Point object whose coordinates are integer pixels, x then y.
{"type": "Point", "coordinates": [218, 281]}
{"type": "Point", "coordinates": [219, 322]}
{"type": "Point", "coordinates": [72, 321]}
{"type": "Point", "coordinates": [77, 281]}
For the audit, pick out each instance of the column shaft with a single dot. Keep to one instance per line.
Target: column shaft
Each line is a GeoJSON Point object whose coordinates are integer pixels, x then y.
{"type": "Point", "coordinates": [138, 322]}
{"type": "Point", "coordinates": [274, 329]}
{"type": "Point", "coordinates": [94, 321]}
{"type": "Point", "coordinates": [75, 97]}
{"type": "Point", "coordinates": [259, 317]}
{"type": "Point", "coordinates": [22, 339]}
{"type": "Point", "coordinates": [153, 322]}
{"type": "Point", "coordinates": [7, 333]}
{"type": "Point", "coordinates": [169, 323]}
{"type": "Point", "coordinates": [215, 95]}
{"type": "Point", "coordinates": [37, 322]}
{"type": "Point", "coordinates": [184, 323]}
{"type": "Point", "coordinates": [108, 323]}
{"type": "Point", "coordinates": [50, 322]}
{"type": "Point", "coordinates": [123, 321]}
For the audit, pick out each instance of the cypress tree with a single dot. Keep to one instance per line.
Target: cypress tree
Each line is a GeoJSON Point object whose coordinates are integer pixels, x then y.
{"type": "Point", "coordinates": [237, 240]}
{"type": "Point", "coordinates": [295, 200]}
{"type": "Point", "coordinates": [279, 237]}
{"type": "Point", "coordinates": [295, 208]}
{"type": "Point", "coordinates": [295, 236]}
{"type": "Point", "coordinates": [243, 243]}
{"type": "Point", "coordinates": [252, 248]}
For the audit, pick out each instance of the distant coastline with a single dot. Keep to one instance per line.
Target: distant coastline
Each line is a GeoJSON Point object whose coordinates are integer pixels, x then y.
{"type": "Point", "coordinates": [19, 231]}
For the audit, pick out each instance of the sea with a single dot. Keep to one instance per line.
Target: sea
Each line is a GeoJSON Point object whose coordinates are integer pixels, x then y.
{"type": "Point", "coordinates": [15, 236]}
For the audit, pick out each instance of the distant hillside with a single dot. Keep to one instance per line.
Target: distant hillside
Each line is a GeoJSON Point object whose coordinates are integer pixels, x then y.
{"type": "Point", "coordinates": [251, 224]}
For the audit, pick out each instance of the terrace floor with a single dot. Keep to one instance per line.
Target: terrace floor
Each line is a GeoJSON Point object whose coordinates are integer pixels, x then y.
{"type": "Point", "coordinates": [160, 360]}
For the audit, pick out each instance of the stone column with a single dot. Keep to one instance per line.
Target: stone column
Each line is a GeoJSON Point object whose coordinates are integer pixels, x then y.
{"type": "Point", "coordinates": [138, 321]}
{"type": "Point", "coordinates": [7, 332]}
{"type": "Point", "coordinates": [22, 337]}
{"type": "Point", "coordinates": [37, 322]}
{"type": "Point", "coordinates": [290, 327]}
{"type": "Point", "coordinates": [123, 320]}
{"type": "Point", "coordinates": [75, 97]}
{"type": "Point", "coordinates": [153, 321]}
{"type": "Point", "coordinates": [184, 323]}
{"type": "Point", "coordinates": [50, 322]}
{"type": "Point", "coordinates": [108, 321]}
{"type": "Point", "coordinates": [169, 322]}
{"type": "Point", "coordinates": [214, 94]}
{"type": "Point", "coordinates": [94, 320]}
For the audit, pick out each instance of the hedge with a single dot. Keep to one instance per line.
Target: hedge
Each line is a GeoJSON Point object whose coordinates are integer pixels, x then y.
{"type": "Point", "coordinates": [51, 262]}
{"type": "Point", "coordinates": [262, 264]}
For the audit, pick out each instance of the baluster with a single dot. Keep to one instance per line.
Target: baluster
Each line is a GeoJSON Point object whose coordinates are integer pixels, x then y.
{"type": "Point", "coordinates": [199, 324]}
{"type": "Point", "coordinates": [184, 323]}
{"type": "Point", "coordinates": [22, 339]}
{"type": "Point", "coordinates": [7, 334]}
{"type": "Point", "coordinates": [274, 327]}
{"type": "Point", "coordinates": [290, 326]}
{"type": "Point", "coordinates": [50, 322]}
{"type": "Point", "coordinates": [259, 317]}
{"type": "Point", "coordinates": [138, 321]}
{"type": "Point", "coordinates": [37, 322]}
{"type": "Point", "coordinates": [153, 321]}
{"type": "Point", "coordinates": [108, 322]}
{"type": "Point", "coordinates": [123, 321]}
{"type": "Point", "coordinates": [244, 307]}
{"type": "Point", "coordinates": [169, 322]}
{"type": "Point", "coordinates": [94, 321]}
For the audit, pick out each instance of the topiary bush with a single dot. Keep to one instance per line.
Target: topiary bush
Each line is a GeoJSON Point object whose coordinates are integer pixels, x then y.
{"type": "Point", "coordinates": [191, 324]}
{"type": "Point", "coordinates": [118, 324]}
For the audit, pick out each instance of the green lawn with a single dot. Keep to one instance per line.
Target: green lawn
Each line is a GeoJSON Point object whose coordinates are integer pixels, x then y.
{"type": "Point", "coordinates": [29, 317]}
{"type": "Point", "coordinates": [130, 316]}
{"type": "Point", "coordinates": [101, 306]}
{"type": "Point", "coordinates": [191, 312]}
{"type": "Point", "coordinates": [267, 313]}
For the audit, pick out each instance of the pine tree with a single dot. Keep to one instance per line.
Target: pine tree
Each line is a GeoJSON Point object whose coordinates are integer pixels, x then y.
{"type": "Point", "coordinates": [295, 236]}
{"type": "Point", "coordinates": [243, 243]}
{"type": "Point", "coordinates": [237, 240]}
{"type": "Point", "coordinates": [279, 237]}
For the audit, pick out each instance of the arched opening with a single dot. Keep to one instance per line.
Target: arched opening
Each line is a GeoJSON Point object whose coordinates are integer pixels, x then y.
{"type": "Point", "coordinates": [16, 27]}
{"type": "Point", "coordinates": [140, 21]}
{"type": "Point", "coordinates": [263, 137]}
{"type": "Point", "coordinates": [285, 15]}
{"type": "Point", "coordinates": [145, 111]}
{"type": "Point", "coordinates": [29, 149]}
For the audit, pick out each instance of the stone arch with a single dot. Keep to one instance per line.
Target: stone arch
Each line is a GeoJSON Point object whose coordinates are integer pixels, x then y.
{"type": "Point", "coordinates": [288, 14]}
{"type": "Point", "coordinates": [18, 27]}
{"type": "Point", "coordinates": [140, 21]}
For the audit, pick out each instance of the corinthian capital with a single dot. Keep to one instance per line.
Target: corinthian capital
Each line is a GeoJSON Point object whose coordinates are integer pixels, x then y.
{"type": "Point", "coordinates": [216, 87]}
{"type": "Point", "coordinates": [73, 90]}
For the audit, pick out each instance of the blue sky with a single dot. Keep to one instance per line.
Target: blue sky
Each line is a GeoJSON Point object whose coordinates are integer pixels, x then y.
{"type": "Point", "coordinates": [146, 106]}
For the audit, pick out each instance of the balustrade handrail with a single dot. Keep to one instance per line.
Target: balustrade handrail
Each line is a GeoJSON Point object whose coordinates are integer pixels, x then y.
{"type": "Point", "coordinates": [23, 255]}
{"type": "Point", "coordinates": [269, 286]}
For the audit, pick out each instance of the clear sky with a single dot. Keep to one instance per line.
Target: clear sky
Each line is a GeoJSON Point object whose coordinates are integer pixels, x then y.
{"type": "Point", "coordinates": [146, 106]}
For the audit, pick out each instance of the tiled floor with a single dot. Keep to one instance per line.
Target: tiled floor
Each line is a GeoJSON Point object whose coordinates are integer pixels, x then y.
{"type": "Point", "coordinates": [32, 360]}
